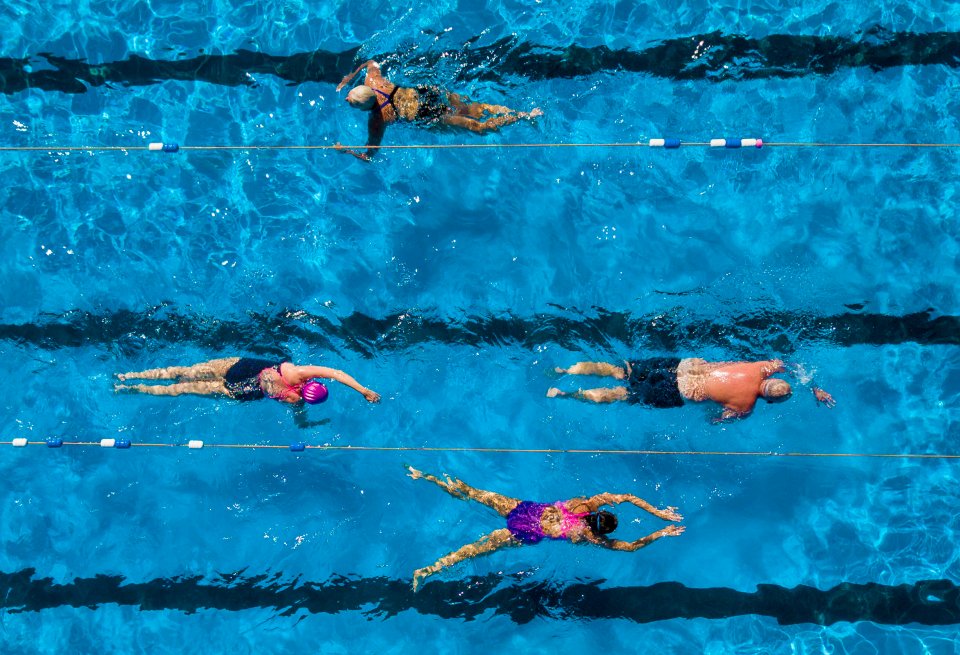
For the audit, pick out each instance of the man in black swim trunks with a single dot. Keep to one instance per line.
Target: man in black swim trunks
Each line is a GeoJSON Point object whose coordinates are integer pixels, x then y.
{"type": "Point", "coordinates": [426, 105]}
{"type": "Point", "coordinates": [669, 382]}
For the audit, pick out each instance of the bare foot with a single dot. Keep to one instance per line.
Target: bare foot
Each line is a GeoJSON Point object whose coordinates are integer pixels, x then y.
{"type": "Point", "coordinates": [553, 392]}
{"type": "Point", "coordinates": [118, 388]}
{"type": "Point", "coordinates": [121, 376]}
{"type": "Point", "coordinates": [536, 112]}
{"type": "Point", "coordinates": [560, 371]}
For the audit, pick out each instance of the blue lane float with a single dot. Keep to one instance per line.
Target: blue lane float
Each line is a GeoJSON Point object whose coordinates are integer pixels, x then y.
{"type": "Point", "coordinates": [665, 143]}
{"type": "Point", "coordinates": [54, 442]}
{"type": "Point", "coordinates": [163, 147]}
{"type": "Point", "coordinates": [736, 143]}
{"type": "Point", "coordinates": [298, 447]}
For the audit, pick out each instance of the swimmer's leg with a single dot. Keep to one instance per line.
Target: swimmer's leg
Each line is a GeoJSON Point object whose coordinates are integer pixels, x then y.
{"type": "Point", "coordinates": [487, 544]}
{"type": "Point", "coordinates": [205, 388]}
{"type": "Point", "coordinates": [595, 368]}
{"type": "Point", "coordinates": [602, 395]}
{"type": "Point", "coordinates": [460, 489]}
{"type": "Point", "coordinates": [474, 125]}
{"type": "Point", "coordinates": [475, 110]}
{"type": "Point", "coordinates": [215, 368]}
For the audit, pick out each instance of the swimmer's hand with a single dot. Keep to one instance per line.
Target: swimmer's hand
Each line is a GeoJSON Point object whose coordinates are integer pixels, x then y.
{"type": "Point", "coordinates": [823, 397]}
{"type": "Point", "coordinates": [670, 514]}
{"type": "Point", "coordinates": [673, 530]}
{"type": "Point", "coordinates": [414, 473]}
{"type": "Point", "coordinates": [729, 414]}
{"type": "Point", "coordinates": [533, 113]}
{"type": "Point", "coordinates": [343, 150]}
{"type": "Point", "coordinates": [371, 395]}
{"type": "Point", "coordinates": [345, 81]}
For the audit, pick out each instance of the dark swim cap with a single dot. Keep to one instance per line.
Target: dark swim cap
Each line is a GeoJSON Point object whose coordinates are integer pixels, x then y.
{"type": "Point", "coordinates": [602, 522]}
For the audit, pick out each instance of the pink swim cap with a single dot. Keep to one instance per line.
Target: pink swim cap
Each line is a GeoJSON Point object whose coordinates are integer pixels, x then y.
{"type": "Point", "coordinates": [314, 392]}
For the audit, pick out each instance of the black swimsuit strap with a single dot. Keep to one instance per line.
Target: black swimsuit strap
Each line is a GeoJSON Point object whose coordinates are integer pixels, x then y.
{"type": "Point", "coordinates": [389, 97]}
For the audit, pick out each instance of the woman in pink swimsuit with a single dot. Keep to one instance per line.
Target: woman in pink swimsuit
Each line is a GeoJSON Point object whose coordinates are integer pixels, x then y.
{"type": "Point", "coordinates": [576, 520]}
{"type": "Point", "coordinates": [243, 379]}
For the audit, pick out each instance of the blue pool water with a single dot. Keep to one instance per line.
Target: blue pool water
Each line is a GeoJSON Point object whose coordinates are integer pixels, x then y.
{"type": "Point", "coordinates": [453, 282]}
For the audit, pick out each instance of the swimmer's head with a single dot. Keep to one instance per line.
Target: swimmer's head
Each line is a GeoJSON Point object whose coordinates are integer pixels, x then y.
{"type": "Point", "coordinates": [314, 392]}
{"type": "Point", "coordinates": [362, 97]}
{"type": "Point", "coordinates": [601, 522]}
{"type": "Point", "coordinates": [775, 390]}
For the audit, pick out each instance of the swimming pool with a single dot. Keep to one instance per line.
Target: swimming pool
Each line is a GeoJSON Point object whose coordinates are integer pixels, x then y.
{"type": "Point", "coordinates": [452, 282]}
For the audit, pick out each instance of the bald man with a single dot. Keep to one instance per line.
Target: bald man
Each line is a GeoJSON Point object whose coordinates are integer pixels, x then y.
{"type": "Point", "coordinates": [670, 382]}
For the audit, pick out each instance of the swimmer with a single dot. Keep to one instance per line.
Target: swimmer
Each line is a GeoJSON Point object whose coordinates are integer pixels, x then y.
{"type": "Point", "coordinates": [427, 105]}
{"type": "Point", "coordinates": [668, 382]}
{"type": "Point", "coordinates": [578, 520]}
{"type": "Point", "coordinates": [244, 379]}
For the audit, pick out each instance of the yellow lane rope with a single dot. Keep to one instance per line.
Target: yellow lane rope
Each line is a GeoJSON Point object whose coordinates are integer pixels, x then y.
{"type": "Point", "coordinates": [468, 449]}
{"type": "Point", "coordinates": [448, 146]}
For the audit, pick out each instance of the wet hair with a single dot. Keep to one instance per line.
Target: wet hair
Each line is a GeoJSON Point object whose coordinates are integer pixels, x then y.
{"type": "Point", "coordinates": [601, 522]}
{"type": "Point", "coordinates": [362, 97]}
{"type": "Point", "coordinates": [775, 390]}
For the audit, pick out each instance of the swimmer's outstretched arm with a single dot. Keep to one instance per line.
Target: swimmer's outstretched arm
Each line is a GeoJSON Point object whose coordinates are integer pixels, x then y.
{"type": "Point", "coordinates": [596, 502]}
{"type": "Point", "coordinates": [375, 130]}
{"type": "Point", "coordinates": [304, 373]}
{"type": "Point", "coordinates": [630, 546]}
{"type": "Point", "coordinates": [349, 78]}
{"type": "Point", "coordinates": [487, 544]}
{"type": "Point", "coordinates": [449, 485]}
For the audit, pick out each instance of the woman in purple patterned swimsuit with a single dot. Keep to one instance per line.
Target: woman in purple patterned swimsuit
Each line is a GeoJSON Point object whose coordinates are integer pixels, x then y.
{"type": "Point", "coordinates": [576, 520]}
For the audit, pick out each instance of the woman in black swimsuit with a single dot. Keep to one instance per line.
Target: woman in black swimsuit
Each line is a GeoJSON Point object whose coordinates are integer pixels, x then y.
{"type": "Point", "coordinates": [427, 105]}
{"type": "Point", "coordinates": [243, 379]}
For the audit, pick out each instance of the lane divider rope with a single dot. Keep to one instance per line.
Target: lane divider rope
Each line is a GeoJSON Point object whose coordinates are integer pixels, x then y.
{"type": "Point", "coordinates": [666, 143]}
{"type": "Point", "coordinates": [299, 446]}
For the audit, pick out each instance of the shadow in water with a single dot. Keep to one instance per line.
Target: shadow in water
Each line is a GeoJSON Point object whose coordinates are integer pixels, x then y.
{"type": "Point", "coordinates": [928, 602]}
{"type": "Point", "coordinates": [711, 57]}
{"type": "Point", "coordinates": [748, 335]}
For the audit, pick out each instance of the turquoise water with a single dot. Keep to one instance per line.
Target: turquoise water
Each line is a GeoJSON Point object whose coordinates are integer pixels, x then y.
{"type": "Point", "coordinates": [452, 282]}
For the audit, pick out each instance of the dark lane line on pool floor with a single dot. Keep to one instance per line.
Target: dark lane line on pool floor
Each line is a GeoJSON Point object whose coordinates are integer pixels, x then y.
{"type": "Point", "coordinates": [712, 57]}
{"type": "Point", "coordinates": [927, 602]}
{"type": "Point", "coordinates": [749, 334]}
